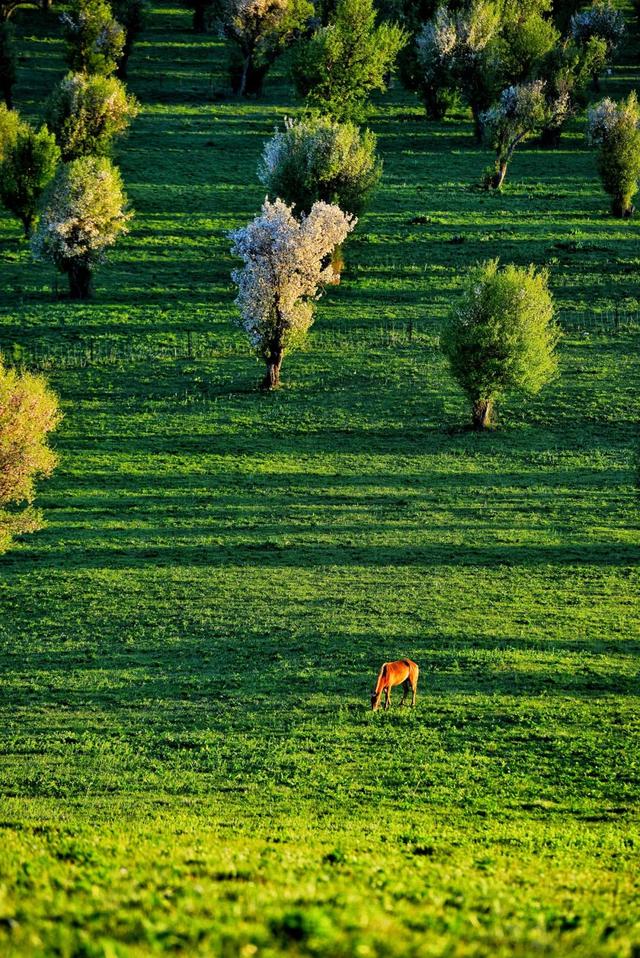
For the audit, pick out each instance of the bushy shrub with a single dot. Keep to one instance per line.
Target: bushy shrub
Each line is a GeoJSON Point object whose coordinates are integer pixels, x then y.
{"type": "Point", "coordinates": [259, 31]}
{"type": "Point", "coordinates": [86, 113]}
{"type": "Point", "coordinates": [95, 39]}
{"type": "Point", "coordinates": [27, 168]}
{"type": "Point", "coordinates": [613, 128]}
{"type": "Point", "coordinates": [82, 216]}
{"type": "Point", "coordinates": [343, 63]}
{"type": "Point", "coordinates": [527, 40]}
{"type": "Point", "coordinates": [320, 159]}
{"type": "Point", "coordinates": [501, 336]}
{"type": "Point", "coordinates": [9, 124]}
{"type": "Point", "coordinates": [28, 413]}
{"type": "Point", "coordinates": [8, 62]}
{"type": "Point", "coordinates": [520, 111]}
{"type": "Point", "coordinates": [284, 270]}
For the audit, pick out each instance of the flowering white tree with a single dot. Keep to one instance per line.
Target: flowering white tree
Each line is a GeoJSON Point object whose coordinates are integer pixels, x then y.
{"type": "Point", "coordinates": [602, 20]}
{"type": "Point", "coordinates": [285, 268]}
{"type": "Point", "coordinates": [83, 215]}
{"type": "Point", "coordinates": [614, 129]}
{"type": "Point", "coordinates": [435, 46]}
{"type": "Point", "coordinates": [260, 30]}
{"type": "Point", "coordinates": [520, 111]}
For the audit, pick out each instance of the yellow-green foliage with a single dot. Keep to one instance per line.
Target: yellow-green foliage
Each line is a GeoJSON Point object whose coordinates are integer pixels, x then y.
{"type": "Point", "coordinates": [86, 113]}
{"type": "Point", "coordinates": [28, 413]}
{"type": "Point", "coordinates": [502, 335]}
{"type": "Point", "coordinates": [319, 159]}
{"type": "Point", "coordinates": [343, 63]}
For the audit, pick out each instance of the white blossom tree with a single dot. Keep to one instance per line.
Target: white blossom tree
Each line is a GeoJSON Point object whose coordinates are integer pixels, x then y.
{"type": "Point", "coordinates": [260, 30]}
{"type": "Point", "coordinates": [520, 111]}
{"type": "Point", "coordinates": [83, 215]}
{"type": "Point", "coordinates": [285, 268]}
{"type": "Point", "coordinates": [614, 129]}
{"type": "Point", "coordinates": [435, 46]}
{"type": "Point", "coordinates": [602, 21]}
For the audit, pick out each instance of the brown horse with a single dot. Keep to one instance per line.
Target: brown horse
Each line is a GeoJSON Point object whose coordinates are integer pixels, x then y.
{"type": "Point", "coordinates": [403, 672]}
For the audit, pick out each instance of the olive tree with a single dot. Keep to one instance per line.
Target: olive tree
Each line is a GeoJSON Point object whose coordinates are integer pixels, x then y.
{"type": "Point", "coordinates": [343, 63]}
{"type": "Point", "coordinates": [568, 70]}
{"type": "Point", "coordinates": [318, 158]}
{"type": "Point", "coordinates": [95, 39]}
{"type": "Point", "coordinates": [603, 21]}
{"type": "Point", "coordinates": [613, 128]}
{"type": "Point", "coordinates": [82, 216]}
{"type": "Point", "coordinates": [476, 62]}
{"type": "Point", "coordinates": [86, 113]}
{"type": "Point", "coordinates": [434, 76]}
{"type": "Point", "coordinates": [285, 268]}
{"type": "Point", "coordinates": [520, 112]}
{"type": "Point", "coordinates": [259, 31]}
{"type": "Point", "coordinates": [9, 125]}
{"type": "Point", "coordinates": [27, 168]}
{"type": "Point", "coordinates": [501, 336]}
{"type": "Point", "coordinates": [28, 413]}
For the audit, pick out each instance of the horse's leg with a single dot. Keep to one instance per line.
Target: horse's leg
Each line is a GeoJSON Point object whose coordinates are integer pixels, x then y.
{"type": "Point", "coordinates": [387, 693]}
{"type": "Point", "coordinates": [405, 689]}
{"type": "Point", "coordinates": [414, 689]}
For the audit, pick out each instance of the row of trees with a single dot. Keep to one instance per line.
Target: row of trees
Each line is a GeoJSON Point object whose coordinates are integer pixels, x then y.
{"type": "Point", "coordinates": [101, 30]}
{"type": "Point", "coordinates": [59, 182]}
{"type": "Point", "coordinates": [60, 174]}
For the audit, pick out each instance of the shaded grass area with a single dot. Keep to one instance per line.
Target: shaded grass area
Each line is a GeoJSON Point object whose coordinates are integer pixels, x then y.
{"type": "Point", "coordinates": [187, 762]}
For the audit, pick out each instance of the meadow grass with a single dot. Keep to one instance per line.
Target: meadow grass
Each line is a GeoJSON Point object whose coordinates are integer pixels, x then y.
{"type": "Point", "coordinates": [187, 759]}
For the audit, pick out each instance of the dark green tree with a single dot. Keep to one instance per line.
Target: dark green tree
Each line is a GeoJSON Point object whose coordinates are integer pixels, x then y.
{"type": "Point", "coordinates": [26, 170]}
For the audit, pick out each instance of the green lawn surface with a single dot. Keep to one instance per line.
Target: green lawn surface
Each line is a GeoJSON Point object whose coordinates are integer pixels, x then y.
{"type": "Point", "coordinates": [188, 762]}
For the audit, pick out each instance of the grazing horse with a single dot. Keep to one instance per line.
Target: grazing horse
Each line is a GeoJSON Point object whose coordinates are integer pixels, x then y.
{"type": "Point", "coordinates": [403, 672]}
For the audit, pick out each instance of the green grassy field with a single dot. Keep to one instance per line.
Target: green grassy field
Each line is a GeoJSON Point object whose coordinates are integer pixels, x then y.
{"type": "Point", "coordinates": [187, 759]}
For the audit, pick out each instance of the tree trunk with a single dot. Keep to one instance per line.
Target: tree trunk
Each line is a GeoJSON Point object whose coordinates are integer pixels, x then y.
{"type": "Point", "coordinates": [121, 69]}
{"type": "Point", "coordinates": [7, 92]}
{"type": "Point", "coordinates": [496, 181]}
{"type": "Point", "coordinates": [550, 136]}
{"type": "Point", "coordinates": [482, 413]}
{"type": "Point", "coordinates": [246, 66]}
{"type": "Point", "coordinates": [622, 208]}
{"type": "Point", "coordinates": [435, 104]}
{"type": "Point", "coordinates": [477, 125]}
{"type": "Point", "coordinates": [27, 223]}
{"type": "Point", "coordinates": [337, 264]}
{"type": "Point", "coordinates": [80, 281]}
{"type": "Point", "coordinates": [199, 20]}
{"type": "Point", "coordinates": [272, 375]}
